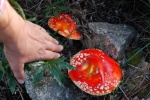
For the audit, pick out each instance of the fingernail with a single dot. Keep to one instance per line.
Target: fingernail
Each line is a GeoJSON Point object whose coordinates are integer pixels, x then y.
{"type": "Point", "coordinates": [58, 55]}
{"type": "Point", "coordinates": [61, 47]}
{"type": "Point", "coordinates": [56, 42]}
{"type": "Point", "coordinates": [21, 81]}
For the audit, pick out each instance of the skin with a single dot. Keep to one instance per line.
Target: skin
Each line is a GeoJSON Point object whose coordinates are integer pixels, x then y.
{"type": "Point", "coordinates": [25, 42]}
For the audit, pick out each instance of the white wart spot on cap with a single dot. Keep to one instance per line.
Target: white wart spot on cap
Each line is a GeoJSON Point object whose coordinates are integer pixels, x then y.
{"type": "Point", "coordinates": [79, 58]}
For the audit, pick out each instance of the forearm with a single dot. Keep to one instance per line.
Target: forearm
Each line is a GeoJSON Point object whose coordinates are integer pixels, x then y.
{"type": "Point", "coordinates": [10, 24]}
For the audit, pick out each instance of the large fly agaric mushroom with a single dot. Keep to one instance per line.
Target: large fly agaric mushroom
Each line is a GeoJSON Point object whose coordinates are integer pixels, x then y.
{"type": "Point", "coordinates": [96, 73]}
{"type": "Point", "coordinates": [65, 25]}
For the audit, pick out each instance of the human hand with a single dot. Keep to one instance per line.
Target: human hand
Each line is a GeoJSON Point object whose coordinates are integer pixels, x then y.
{"type": "Point", "coordinates": [32, 43]}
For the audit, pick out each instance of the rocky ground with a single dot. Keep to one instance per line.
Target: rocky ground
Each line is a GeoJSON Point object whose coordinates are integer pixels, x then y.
{"type": "Point", "coordinates": [136, 82]}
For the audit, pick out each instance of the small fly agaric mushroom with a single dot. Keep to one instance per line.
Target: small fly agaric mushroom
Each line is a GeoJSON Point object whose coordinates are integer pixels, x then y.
{"type": "Point", "coordinates": [65, 25]}
{"type": "Point", "coordinates": [96, 73]}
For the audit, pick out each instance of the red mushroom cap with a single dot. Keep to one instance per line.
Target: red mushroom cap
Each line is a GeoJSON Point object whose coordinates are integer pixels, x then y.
{"type": "Point", "coordinates": [65, 25]}
{"type": "Point", "coordinates": [97, 73]}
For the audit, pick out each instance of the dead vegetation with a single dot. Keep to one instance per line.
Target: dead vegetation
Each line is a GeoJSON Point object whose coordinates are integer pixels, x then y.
{"type": "Point", "coordinates": [136, 82]}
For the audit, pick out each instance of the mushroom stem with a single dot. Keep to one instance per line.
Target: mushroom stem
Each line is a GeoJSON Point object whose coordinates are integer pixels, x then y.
{"type": "Point", "coordinates": [70, 42]}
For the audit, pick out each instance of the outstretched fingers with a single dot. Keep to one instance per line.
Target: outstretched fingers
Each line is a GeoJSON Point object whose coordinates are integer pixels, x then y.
{"type": "Point", "coordinates": [53, 47]}
{"type": "Point", "coordinates": [50, 55]}
{"type": "Point", "coordinates": [51, 39]}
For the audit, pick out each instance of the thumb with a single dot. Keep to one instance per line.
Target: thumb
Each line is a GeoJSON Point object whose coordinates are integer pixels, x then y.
{"type": "Point", "coordinates": [18, 71]}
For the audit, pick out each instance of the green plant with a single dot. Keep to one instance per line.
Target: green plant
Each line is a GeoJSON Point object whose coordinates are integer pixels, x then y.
{"type": "Point", "coordinates": [54, 67]}
{"type": "Point", "coordinates": [18, 8]}
{"type": "Point", "coordinates": [140, 50]}
{"type": "Point", "coordinates": [6, 73]}
{"type": "Point", "coordinates": [56, 8]}
{"type": "Point", "coordinates": [135, 56]}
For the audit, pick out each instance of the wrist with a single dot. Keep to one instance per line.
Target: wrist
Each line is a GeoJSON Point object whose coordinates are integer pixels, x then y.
{"type": "Point", "coordinates": [5, 17]}
{"type": "Point", "coordinates": [2, 6]}
{"type": "Point", "coordinates": [10, 25]}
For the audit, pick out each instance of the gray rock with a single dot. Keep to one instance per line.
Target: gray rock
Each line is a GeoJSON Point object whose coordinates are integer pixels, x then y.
{"type": "Point", "coordinates": [111, 38]}
{"type": "Point", "coordinates": [48, 89]}
{"type": "Point", "coordinates": [148, 98]}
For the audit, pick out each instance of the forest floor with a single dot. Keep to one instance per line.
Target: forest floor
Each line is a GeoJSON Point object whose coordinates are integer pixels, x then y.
{"type": "Point", "coordinates": [136, 13]}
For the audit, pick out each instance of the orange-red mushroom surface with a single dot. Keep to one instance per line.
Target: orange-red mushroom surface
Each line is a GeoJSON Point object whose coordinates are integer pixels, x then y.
{"type": "Point", "coordinates": [97, 73]}
{"type": "Point", "coordinates": [65, 25]}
